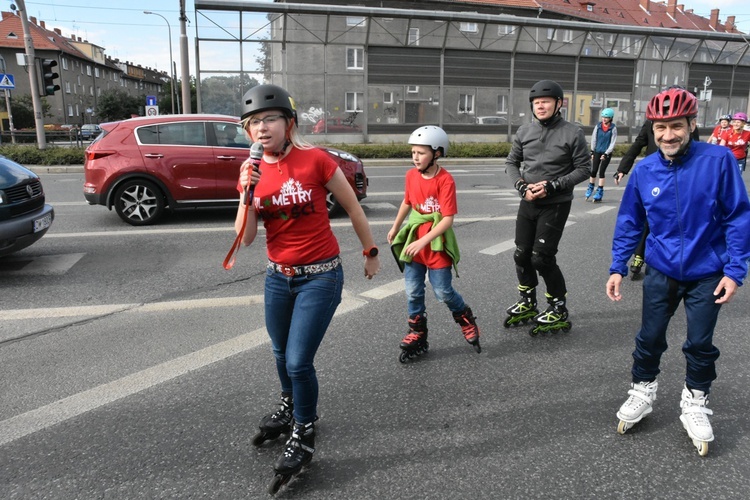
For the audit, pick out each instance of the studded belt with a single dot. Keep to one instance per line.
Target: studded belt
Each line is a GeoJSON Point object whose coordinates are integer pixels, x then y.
{"type": "Point", "coordinates": [290, 271]}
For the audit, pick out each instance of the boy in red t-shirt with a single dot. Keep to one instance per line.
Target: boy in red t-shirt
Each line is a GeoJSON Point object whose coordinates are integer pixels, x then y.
{"type": "Point", "coordinates": [426, 245]}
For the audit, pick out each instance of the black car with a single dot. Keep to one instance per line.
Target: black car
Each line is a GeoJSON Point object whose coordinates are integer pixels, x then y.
{"type": "Point", "coordinates": [24, 215]}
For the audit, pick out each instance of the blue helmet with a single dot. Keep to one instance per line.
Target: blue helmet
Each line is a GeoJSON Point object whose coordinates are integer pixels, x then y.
{"type": "Point", "coordinates": [608, 113]}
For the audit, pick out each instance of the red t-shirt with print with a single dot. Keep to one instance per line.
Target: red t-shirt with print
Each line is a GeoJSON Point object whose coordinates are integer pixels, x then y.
{"type": "Point", "coordinates": [737, 142]}
{"type": "Point", "coordinates": [427, 196]}
{"type": "Point", "coordinates": [290, 198]}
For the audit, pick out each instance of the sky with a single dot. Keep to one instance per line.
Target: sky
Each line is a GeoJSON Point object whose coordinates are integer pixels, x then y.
{"type": "Point", "coordinates": [128, 34]}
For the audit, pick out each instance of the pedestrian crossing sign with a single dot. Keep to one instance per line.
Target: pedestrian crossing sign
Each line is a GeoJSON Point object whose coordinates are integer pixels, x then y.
{"type": "Point", "coordinates": [7, 81]}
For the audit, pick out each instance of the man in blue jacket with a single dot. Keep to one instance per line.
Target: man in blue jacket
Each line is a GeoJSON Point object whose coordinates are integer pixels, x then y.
{"type": "Point", "coordinates": [693, 198]}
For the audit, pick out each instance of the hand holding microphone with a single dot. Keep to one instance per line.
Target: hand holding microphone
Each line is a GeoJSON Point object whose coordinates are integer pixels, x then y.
{"type": "Point", "coordinates": [250, 178]}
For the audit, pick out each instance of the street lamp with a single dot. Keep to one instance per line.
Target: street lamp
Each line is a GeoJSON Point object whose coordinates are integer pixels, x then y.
{"type": "Point", "coordinates": [171, 64]}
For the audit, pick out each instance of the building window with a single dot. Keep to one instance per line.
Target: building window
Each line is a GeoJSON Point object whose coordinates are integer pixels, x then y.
{"type": "Point", "coordinates": [589, 7]}
{"type": "Point", "coordinates": [88, 70]}
{"type": "Point", "coordinates": [355, 58]}
{"type": "Point", "coordinates": [70, 110]}
{"type": "Point", "coordinates": [551, 34]}
{"type": "Point", "coordinates": [502, 104]}
{"type": "Point", "coordinates": [360, 22]}
{"type": "Point", "coordinates": [412, 89]}
{"type": "Point", "coordinates": [91, 91]}
{"type": "Point", "coordinates": [468, 27]}
{"type": "Point", "coordinates": [413, 36]}
{"type": "Point", "coordinates": [387, 97]}
{"type": "Point", "coordinates": [567, 36]}
{"type": "Point", "coordinates": [96, 72]}
{"type": "Point", "coordinates": [67, 87]}
{"type": "Point", "coordinates": [354, 101]}
{"type": "Point", "coordinates": [505, 29]}
{"type": "Point", "coordinates": [654, 79]}
{"type": "Point", "coordinates": [625, 45]}
{"type": "Point", "coordinates": [466, 104]}
{"type": "Point", "coordinates": [64, 63]}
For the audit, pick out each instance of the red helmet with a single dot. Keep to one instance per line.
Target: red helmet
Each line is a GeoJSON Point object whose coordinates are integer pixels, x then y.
{"type": "Point", "coordinates": [672, 103]}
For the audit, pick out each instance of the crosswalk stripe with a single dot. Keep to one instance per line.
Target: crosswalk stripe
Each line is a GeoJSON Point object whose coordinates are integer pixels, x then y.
{"type": "Point", "coordinates": [384, 291]}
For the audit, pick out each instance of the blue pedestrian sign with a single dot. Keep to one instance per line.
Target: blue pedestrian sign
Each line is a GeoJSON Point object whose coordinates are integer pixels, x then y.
{"type": "Point", "coordinates": [7, 81]}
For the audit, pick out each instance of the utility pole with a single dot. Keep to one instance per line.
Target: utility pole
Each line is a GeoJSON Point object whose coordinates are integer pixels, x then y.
{"type": "Point", "coordinates": [41, 138]}
{"type": "Point", "coordinates": [185, 69]}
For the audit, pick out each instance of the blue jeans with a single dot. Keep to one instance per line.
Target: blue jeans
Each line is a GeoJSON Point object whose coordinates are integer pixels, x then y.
{"type": "Point", "coordinates": [741, 164]}
{"type": "Point", "coordinates": [440, 279]}
{"type": "Point", "coordinates": [661, 296]}
{"type": "Point", "coordinates": [298, 311]}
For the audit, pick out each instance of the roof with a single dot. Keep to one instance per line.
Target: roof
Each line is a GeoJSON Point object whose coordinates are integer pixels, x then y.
{"type": "Point", "coordinates": [43, 38]}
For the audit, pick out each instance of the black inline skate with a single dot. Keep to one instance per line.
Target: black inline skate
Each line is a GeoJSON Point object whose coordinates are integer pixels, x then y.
{"type": "Point", "coordinates": [552, 320]}
{"type": "Point", "coordinates": [415, 343]}
{"type": "Point", "coordinates": [467, 321]}
{"type": "Point", "coordinates": [276, 424]}
{"type": "Point", "coordinates": [523, 310]}
{"type": "Point", "coordinates": [636, 267]}
{"type": "Point", "coordinates": [297, 453]}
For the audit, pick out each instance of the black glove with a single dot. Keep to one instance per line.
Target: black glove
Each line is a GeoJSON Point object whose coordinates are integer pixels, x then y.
{"type": "Point", "coordinates": [521, 187]}
{"type": "Point", "coordinates": [553, 186]}
{"type": "Point", "coordinates": [618, 173]}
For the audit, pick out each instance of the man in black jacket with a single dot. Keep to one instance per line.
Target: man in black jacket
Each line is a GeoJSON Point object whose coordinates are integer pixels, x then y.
{"type": "Point", "coordinates": [548, 158]}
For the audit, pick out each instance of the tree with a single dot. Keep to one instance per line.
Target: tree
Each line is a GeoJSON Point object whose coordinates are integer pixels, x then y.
{"type": "Point", "coordinates": [116, 104]}
{"type": "Point", "coordinates": [223, 94]}
{"type": "Point", "coordinates": [23, 111]}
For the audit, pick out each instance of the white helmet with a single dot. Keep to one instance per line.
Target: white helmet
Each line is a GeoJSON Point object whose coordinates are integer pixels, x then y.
{"type": "Point", "coordinates": [431, 136]}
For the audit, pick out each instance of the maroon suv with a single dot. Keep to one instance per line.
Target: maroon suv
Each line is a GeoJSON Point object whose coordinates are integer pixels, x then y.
{"type": "Point", "coordinates": [143, 166]}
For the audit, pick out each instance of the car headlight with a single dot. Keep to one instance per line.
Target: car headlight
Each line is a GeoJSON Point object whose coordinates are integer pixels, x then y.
{"type": "Point", "coordinates": [3, 198]}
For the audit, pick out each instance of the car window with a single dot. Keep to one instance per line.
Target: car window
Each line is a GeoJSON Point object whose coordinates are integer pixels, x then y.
{"type": "Point", "coordinates": [230, 135]}
{"type": "Point", "coordinates": [181, 134]}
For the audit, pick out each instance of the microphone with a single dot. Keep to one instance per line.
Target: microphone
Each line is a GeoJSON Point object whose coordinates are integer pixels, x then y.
{"type": "Point", "coordinates": [256, 155]}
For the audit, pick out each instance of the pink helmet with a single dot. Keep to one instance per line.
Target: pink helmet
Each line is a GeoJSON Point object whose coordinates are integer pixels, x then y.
{"type": "Point", "coordinates": [740, 116]}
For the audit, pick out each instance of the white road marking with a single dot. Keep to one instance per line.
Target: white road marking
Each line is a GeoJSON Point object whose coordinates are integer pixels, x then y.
{"type": "Point", "coordinates": [59, 411]}
{"type": "Point", "coordinates": [601, 210]}
{"type": "Point", "coordinates": [379, 206]}
{"type": "Point", "coordinates": [499, 248]}
{"type": "Point", "coordinates": [384, 291]}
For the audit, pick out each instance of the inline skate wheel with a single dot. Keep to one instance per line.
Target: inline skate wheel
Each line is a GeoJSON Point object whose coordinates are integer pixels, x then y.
{"type": "Point", "coordinates": [702, 447]}
{"type": "Point", "coordinates": [403, 357]}
{"type": "Point", "coordinates": [277, 482]}
{"type": "Point", "coordinates": [477, 348]}
{"type": "Point", "coordinates": [259, 439]}
{"type": "Point", "coordinates": [623, 427]}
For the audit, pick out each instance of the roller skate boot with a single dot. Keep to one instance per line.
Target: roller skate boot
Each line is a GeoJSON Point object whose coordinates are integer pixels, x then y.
{"type": "Point", "coordinates": [636, 267]}
{"type": "Point", "coordinates": [589, 191]}
{"type": "Point", "coordinates": [523, 310]}
{"type": "Point", "coordinates": [467, 321]}
{"type": "Point", "coordinates": [695, 418]}
{"type": "Point", "coordinates": [639, 404]}
{"type": "Point", "coordinates": [415, 343]}
{"type": "Point", "coordinates": [297, 453]}
{"type": "Point", "coordinates": [599, 194]}
{"type": "Point", "coordinates": [552, 320]}
{"type": "Point", "coordinates": [276, 424]}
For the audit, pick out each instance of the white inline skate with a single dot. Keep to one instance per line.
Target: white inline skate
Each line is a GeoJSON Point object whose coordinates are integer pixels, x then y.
{"type": "Point", "coordinates": [695, 418]}
{"type": "Point", "coordinates": [639, 404]}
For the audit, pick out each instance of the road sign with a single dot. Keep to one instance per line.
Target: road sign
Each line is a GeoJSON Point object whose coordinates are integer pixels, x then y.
{"type": "Point", "coordinates": [150, 100]}
{"type": "Point", "coordinates": [152, 110]}
{"type": "Point", "coordinates": [7, 81]}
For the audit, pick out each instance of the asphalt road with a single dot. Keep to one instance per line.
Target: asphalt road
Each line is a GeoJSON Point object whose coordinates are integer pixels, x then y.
{"type": "Point", "coordinates": [132, 365]}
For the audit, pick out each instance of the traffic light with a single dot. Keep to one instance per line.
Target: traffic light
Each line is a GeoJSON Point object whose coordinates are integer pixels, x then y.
{"type": "Point", "coordinates": [49, 87]}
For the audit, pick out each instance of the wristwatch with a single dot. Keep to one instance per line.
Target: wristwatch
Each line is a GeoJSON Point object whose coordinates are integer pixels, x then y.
{"type": "Point", "coordinates": [372, 252]}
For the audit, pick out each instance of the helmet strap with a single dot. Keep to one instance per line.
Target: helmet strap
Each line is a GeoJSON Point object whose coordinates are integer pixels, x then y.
{"type": "Point", "coordinates": [429, 165]}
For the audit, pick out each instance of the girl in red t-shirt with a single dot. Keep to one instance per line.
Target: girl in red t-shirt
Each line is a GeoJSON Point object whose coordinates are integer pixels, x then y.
{"type": "Point", "coordinates": [304, 277]}
{"type": "Point", "coordinates": [426, 245]}
{"type": "Point", "coordinates": [737, 140]}
{"type": "Point", "coordinates": [721, 130]}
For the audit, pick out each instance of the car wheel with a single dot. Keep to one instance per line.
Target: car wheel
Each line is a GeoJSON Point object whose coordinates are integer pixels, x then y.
{"type": "Point", "coordinates": [139, 202]}
{"type": "Point", "coordinates": [333, 206]}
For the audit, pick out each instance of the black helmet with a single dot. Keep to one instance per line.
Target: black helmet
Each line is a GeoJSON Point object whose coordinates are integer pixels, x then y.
{"type": "Point", "coordinates": [263, 97]}
{"type": "Point", "coordinates": [546, 88]}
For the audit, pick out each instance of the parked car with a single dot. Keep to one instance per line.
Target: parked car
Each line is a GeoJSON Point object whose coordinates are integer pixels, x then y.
{"type": "Point", "coordinates": [143, 166]}
{"type": "Point", "coordinates": [24, 215]}
{"type": "Point", "coordinates": [492, 120]}
{"type": "Point", "coordinates": [90, 131]}
{"type": "Point", "coordinates": [335, 126]}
